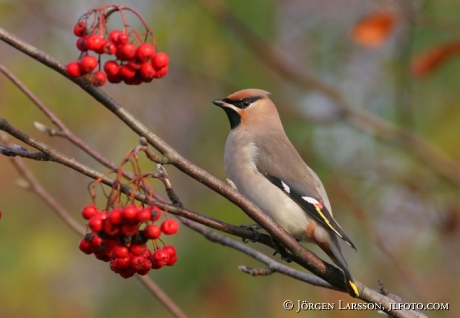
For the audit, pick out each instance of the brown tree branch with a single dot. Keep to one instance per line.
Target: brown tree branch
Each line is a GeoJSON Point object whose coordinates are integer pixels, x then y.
{"type": "Point", "coordinates": [272, 265]}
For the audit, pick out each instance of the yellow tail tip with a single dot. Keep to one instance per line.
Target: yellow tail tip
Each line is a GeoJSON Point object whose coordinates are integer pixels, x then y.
{"type": "Point", "coordinates": [354, 288]}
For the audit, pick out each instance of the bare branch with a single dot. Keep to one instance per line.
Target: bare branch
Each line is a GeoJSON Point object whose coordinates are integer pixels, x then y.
{"type": "Point", "coordinates": [273, 266]}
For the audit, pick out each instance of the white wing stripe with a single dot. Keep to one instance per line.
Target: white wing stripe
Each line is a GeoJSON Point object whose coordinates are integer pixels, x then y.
{"type": "Point", "coordinates": [286, 187]}
{"type": "Point", "coordinates": [310, 200]}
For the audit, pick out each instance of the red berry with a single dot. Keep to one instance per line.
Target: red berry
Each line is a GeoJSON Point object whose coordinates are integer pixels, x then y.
{"type": "Point", "coordinates": [113, 36]}
{"type": "Point", "coordinates": [116, 216]}
{"type": "Point", "coordinates": [136, 263]}
{"type": "Point", "coordinates": [99, 79]}
{"type": "Point", "coordinates": [143, 271]}
{"type": "Point", "coordinates": [123, 262]}
{"type": "Point", "coordinates": [156, 265]}
{"type": "Point", "coordinates": [125, 51]}
{"type": "Point", "coordinates": [109, 48]}
{"type": "Point", "coordinates": [96, 223]}
{"type": "Point", "coordinates": [73, 69]}
{"type": "Point", "coordinates": [108, 244]}
{"type": "Point", "coordinates": [129, 229]}
{"type": "Point", "coordinates": [146, 266]}
{"type": "Point", "coordinates": [88, 63]}
{"type": "Point", "coordinates": [156, 213]}
{"type": "Point", "coordinates": [152, 231]}
{"type": "Point", "coordinates": [172, 260]}
{"type": "Point", "coordinates": [147, 254]}
{"type": "Point", "coordinates": [121, 251]}
{"type": "Point", "coordinates": [147, 71]}
{"type": "Point", "coordinates": [134, 64]}
{"type": "Point", "coordinates": [160, 257]}
{"type": "Point", "coordinates": [135, 80]}
{"type": "Point", "coordinates": [81, 44]}
{"type": "Point", "coordinates": [123, 38]}
{"type": "Point", "coordinates": [137, 249]}
{"type": "Point", "coordinates": [96, 241]}
{"type": "Point", "coordinates": [145, 51]}
{"type": "Point", "coordinates": [111, 229]}
{"type": "Point", "coordinates": [169, 227]}
{"type": "Point", "coordinates": [127, 273]}
{"type": "Point", "coordinates": [114, 79]}
{"type": "Point", "coordinates": [79, 28]}
{"type": "Point", "coordinates": [101, 48]}
{"type": "Point", "coordinates": [161, 72]}
{"type": "Point", "coordinates": [160, 60]}
{"type": "Point", "coordinates": [130, 212]}
{"type": "Point", "coordinates": [170, 249]}
{"type": "Point", "coordinates": [114, 266]}
{"type": "Point", "coordinates": [94, 42]}
{"type": "Point", "coordinates": [126, 72]}
{"type": "Point", "coordinates": [143, 215]}
{"type": "Point", "coordinates": [88, 211]}
{"type": "Point", "coordinates": [85, 246]}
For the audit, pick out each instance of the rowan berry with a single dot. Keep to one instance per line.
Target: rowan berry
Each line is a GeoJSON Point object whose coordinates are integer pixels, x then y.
{"type": "Point", "coordinates": [160, 60]}
{"type": "Point", "coordinates": [125, 51]}
{"type": "Point", "coordinates": [121, 251]}
{"type": "Point", "coordinates": [147, 71]}
{"type": "Point", "coordinates": [137, 249]}
{"type": "Point", "coordinates": [116, 216]}
{"type": "Point", "coordinates": [73, 69]}
{"type": "Point", "coordinates": [81, 44]}
{"type": "Point", "coordinates": [152, 231]}
{"type": "Point", "coordinates": [88, 63]}
{"type": "Point", "coordinates": [161, 72]}
{"type": "Point", "coordinates": [79, 28]}
{"type": "Point", "coordinates": [85, 246]}
{"type": "Point", "coordinates": [126, 72]}
{"type": "Point", "coordinates": [94, 42]}
{"type": "Point", "coordinates": [88, 211]}
{"type": "Point", "coordinates": [169, 227]}
{"type": "Point", "coordinates": [145, 51]}
{"type": "Point", "coordinates": [99, 78]}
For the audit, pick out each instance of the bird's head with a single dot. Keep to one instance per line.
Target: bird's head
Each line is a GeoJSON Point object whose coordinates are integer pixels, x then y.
{"type": "Point", "coordinates": [248, 107]}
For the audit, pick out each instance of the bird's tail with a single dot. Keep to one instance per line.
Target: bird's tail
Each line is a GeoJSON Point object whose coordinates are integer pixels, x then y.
{"type": "Point", "coordinates": [335, 253]}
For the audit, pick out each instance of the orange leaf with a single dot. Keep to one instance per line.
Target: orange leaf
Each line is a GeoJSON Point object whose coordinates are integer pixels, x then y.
{"type": "Point", "coordinates": [374, 29]}
{"type": "Point", "coordinates": [432, 58]}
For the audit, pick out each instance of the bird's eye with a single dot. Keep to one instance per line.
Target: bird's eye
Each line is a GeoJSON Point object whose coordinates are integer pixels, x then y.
{"type": "Point", "coordinates": [246, 103]}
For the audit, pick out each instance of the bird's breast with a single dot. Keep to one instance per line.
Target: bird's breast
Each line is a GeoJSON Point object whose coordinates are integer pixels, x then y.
{"type": "Point", "coordinates": [241, 168]}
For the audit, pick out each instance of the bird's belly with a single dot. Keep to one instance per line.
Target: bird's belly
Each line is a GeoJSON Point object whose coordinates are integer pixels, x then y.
{"type": "Point", "coordinates": [279, 206]}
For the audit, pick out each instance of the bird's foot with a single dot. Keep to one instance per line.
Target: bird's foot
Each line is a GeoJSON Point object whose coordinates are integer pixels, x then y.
{"type": "Point", "coordinates": [285, 256]}
{"type": "Point", "coordinates": [255, 230]}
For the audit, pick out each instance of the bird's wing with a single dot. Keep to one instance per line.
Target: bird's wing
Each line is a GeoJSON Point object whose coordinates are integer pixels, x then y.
{"type": "Point", "coordinates": [279, 162]}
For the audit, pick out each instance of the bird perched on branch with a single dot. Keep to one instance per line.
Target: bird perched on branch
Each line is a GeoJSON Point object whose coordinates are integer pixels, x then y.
{"type": "Point", "coordinates": [266, 168]}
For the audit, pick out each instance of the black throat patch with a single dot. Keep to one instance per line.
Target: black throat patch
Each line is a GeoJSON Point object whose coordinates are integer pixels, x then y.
{"type": "Point", "coordinates": [233, 116]}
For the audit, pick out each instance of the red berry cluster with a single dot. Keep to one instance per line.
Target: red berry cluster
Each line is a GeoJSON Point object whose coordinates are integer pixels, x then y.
{"type": "Point", "coordinates": [134, 60]}
{"type": "Point", "coordinates": [117, 237]}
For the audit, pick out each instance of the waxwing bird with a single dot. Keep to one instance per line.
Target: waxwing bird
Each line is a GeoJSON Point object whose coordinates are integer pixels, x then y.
{"type": "Point", "coordinates": [266, 168]}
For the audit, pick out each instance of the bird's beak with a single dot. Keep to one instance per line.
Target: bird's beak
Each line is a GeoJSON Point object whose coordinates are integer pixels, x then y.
{"type": "Point", "coordinates": [218, 102]}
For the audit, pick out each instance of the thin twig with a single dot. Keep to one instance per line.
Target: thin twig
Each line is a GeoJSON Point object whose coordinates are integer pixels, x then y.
{"type": "Point", "coordinates": [35, 186]}
{"type": "Point", "coordinates": [161, 296]}
{"type": "Point", "coordinates": [273, 266]}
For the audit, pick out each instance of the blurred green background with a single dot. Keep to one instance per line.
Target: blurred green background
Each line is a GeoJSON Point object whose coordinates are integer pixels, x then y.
{"type": "Point", "coordinates": [402, 216]}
